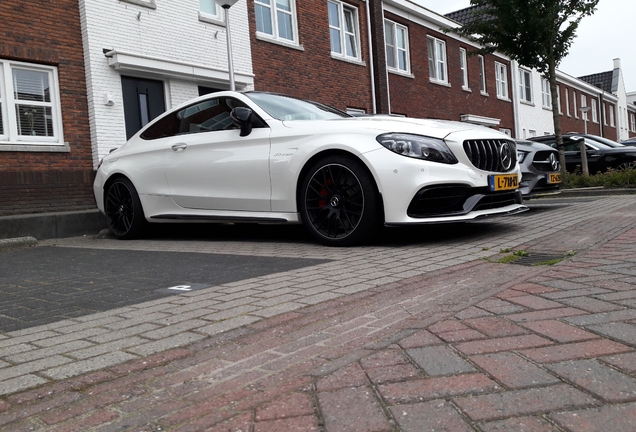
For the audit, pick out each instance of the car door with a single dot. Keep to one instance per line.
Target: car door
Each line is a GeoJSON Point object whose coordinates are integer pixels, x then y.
{"type": "Point", "coordinates": [209, 166]}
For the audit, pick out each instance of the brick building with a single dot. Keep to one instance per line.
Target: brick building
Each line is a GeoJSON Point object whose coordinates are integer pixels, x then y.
{"type": "Point", "coordinates": [46, 162]}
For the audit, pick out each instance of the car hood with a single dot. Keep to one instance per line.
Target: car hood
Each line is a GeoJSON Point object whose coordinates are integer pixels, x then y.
{"type": "Point", "coordinates": [382, 124]}
{"type": "Point", "coordinates": [530, 146]}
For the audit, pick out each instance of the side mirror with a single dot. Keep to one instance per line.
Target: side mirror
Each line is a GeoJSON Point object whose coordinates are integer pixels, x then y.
{"type": "Point", "coordinates": [241, 117]}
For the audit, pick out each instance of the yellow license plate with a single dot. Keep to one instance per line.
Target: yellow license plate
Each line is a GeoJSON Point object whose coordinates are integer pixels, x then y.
{"type": "Point", "coordinates": [554, 178]}
{"type": "Point", "coordinates": [503, 182]}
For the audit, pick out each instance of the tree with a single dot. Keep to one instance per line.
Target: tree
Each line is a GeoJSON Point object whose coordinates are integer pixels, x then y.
{"type": "Point", "coordinates": [535, 33]}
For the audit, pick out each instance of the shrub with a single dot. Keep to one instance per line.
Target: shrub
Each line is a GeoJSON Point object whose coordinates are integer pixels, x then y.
{"type": "Point", "coordinates": [612, 178]}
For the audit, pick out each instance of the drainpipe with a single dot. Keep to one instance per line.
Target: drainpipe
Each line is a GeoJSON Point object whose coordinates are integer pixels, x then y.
{"type": "Point", "coordinates": [369, 36]}
{"type": "Point", "coordinates": [515, 97]}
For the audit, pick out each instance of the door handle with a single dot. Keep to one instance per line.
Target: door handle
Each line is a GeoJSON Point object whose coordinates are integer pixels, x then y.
{"type": "Point", "coordinates": [179, 147]}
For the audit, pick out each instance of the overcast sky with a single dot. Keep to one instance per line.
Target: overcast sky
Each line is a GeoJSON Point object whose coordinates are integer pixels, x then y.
{"type": "Point", "coordinates": [602, 37]}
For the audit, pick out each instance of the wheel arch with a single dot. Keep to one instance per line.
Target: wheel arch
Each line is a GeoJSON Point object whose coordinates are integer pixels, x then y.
{"type": "Point", "coordinates": [333, 152]}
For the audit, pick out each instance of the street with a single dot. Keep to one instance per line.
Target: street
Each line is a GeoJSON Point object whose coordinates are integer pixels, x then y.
{"type": "Point", "coordinates": [232, 327]}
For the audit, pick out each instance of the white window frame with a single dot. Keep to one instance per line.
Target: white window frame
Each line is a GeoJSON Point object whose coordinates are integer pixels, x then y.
{"type": "Point", "coordinates": [558, 96]}
{"type": "Point", "coordinates": [10, 120]}
{"type": "Point", "coordinates": [632, 121]}
{"type": "Point", "coordinates": [217, 17]}
{"type": "Point", "coordinates": [437, 65]}
{"type": "Point", "coordinates": [584, 104]}
{"type": "Point", "coordinates": [396, 49]}
{"type": "Point", "coordinates": [343, 34]}
{"type": "Point", "coordinates": [145, 3]}
{"type": "Point", "coordinates": [612, 118]}
{"type": "Point", "coordinates": [594, 111]}
{"type": "Point", "coordinates": [546, 95]}
{"type": "Point", "coordinates": [482, 76]}
{"type": "Point", "coordinates": [501, 78]}
{"type": "Point", "coordinates": [463, 65]}
{"type": "Point", "coordinates": [525, 86]}
{"type": "Point", "coordinates": [604, 114]}
{"type": "Point", "coordinates": [273, 14]}
{"type": "Point", "coordinates": [567, 102]}
{"type": "Point", "coordinates": [576, 111]}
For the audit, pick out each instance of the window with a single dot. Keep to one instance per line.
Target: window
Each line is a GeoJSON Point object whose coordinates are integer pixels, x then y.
{"type": "Point", "coordinates": [584, 105]}
{"type": "Point", "coordinates": [632, 122]}
{"type": "Point", "coordinates": [501, 78]}
{"type": "Point", "coordinates": [546, 95]}
{"type": "Point", "coordinates": [482, 75]}
{"type": "Point", "coordinates": [525, 86]}
{"type": "Point", "coordinates": [604, 114]}
{"type": "Point", "coordinates": [594, 111]}
{"type": "Point", "coordinates": [276, 19]}
{"type": "Point", "coordinates": [343, 30]}
{"type": "Point", "coordinates": [29, 104]}
{"type": "Point", "coordinates": [558, 96]}
{"type": "Point", "coordinates": [437, 60]}
{"type": "Point", "coordinates": [576, 111]}
{"type": "Point", "coordinates": [396, 45]}
{"type": "Point", "coordinates": [567, 102]}
{"type": "Point", "coordinates": [463, 64]}
{"type": "Point", "coordinates": [209, 10]}
{"type": "Point", "coordinates": [611, 112]}
{"type": "Point", "coordinates": [208, 116]}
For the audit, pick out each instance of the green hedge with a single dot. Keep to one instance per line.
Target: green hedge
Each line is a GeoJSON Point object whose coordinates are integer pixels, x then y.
{"type": "Point", "coordinates": [611, 179]}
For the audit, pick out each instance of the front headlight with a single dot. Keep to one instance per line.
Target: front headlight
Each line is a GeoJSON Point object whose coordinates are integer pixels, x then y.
{"type": "Point", "coordinates": [418, 146]}
{"type": "Point", "coordinates": [521, 155]}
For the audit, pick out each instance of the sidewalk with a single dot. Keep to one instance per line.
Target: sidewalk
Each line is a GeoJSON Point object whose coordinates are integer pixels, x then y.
{"type": "Point", "coordinates": [479, 346]}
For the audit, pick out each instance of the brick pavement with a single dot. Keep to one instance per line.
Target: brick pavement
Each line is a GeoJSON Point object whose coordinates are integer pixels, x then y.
{"type": "Point", "coordinates": [473, 345]}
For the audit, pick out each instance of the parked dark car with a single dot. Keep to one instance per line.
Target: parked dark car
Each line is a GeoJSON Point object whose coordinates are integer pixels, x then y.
{"type": "Point", "coordinates": [600, 156]}
{"type": "Point", "coordinates": [540, 169]}
{"type": "Point", "coordinates": [630, 142]}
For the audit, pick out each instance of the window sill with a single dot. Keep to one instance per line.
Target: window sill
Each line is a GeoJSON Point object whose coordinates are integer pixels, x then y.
{"type": "Point", "coordinates": [439, 83]}
{"type": "Point", "coordinates": [467, 89]}
{"type": "Point", "coordinates": [286, 44]}
{"type": "Point", "coordinates": [505, 99]}
{"type": "Point", "coordinates": [48, 148]}
{"type": "Point", "coordinates": [546, 108]}
{"type": "Point", "coordinates": [483, 93]}
{"type": "Point", "coordinates": [211, 20]}
{"type": "Point", "coordinates": [145, 3]}
{"type": "Point", "coordinates": [526, 103]}
{"type": "Point", "coordinates": [401, 73]}
{"type": "Point", "coordinates": [348, 59]}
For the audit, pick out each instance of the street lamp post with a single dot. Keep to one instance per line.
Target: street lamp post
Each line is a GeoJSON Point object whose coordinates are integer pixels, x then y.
{"type": "Point", "coordinates": [226, 5]}
{"type": "Point", "coordinates": [583, 150]}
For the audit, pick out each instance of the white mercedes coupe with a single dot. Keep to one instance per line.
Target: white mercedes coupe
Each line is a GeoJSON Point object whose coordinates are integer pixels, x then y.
{"type": "Point", "coordinates": [268, 158]}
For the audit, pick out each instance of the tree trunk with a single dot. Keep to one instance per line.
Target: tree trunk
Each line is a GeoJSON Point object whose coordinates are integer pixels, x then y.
{"type": "Point", "coordinates": [556, 117]}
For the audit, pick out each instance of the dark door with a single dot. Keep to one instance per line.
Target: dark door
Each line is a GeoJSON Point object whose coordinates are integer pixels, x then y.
{"type": "Point", "coordinates": [143, 101]}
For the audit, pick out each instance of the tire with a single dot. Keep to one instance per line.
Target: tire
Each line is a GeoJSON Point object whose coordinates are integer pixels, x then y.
{"type": "Point", "coordinates": [123, 210]}
{"type": "Point", "coordinates": [339, 202]}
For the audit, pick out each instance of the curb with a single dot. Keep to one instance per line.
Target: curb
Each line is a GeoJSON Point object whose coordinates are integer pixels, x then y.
{"type": "Point", "coordinates": [18, 242]}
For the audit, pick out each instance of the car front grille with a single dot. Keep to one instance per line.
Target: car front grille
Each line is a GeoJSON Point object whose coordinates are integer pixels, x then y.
{"type": "Point", "coordinates": [487, 155]}
{"type": "Point", "coordinates": [543, 163]}
{"type": "Point", "coordinates": [454, 200]}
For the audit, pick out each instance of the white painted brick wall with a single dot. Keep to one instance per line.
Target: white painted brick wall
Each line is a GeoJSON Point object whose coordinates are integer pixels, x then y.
{"type": "Point", "coordinates": [172, 31]}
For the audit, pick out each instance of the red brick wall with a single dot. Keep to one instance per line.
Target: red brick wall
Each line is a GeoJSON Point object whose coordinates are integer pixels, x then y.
{"type": "Point", "coordinates": [572, 123]}
{"type": "Point", "coordinates": [313, 73]}
{"type": "Point", "coordinates": [418, 97]}
{"type": "Point", "coordinates": [48, 32]}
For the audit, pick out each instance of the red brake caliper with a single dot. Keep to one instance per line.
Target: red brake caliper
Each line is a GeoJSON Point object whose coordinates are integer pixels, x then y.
{"type": "Point", "coordinates": [324, 192]}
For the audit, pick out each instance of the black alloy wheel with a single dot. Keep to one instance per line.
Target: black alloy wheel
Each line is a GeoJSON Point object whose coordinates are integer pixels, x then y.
{"type": "Point", "coordinates": [123, 209]}
{"type": "Point", "coordinates": [339, 202]}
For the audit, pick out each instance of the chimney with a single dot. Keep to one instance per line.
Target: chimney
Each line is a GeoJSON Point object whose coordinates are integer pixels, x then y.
{"type": "Point", "coordinates": [617, 63]}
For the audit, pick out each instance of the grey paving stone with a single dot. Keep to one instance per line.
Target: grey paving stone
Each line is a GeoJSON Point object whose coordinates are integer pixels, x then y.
{"type": "Point", "coordinates": [89, 365]}
{"type": "Point", "coordinates": [439, 360]}
{"type": "Point", "coordinates": [20, 383]}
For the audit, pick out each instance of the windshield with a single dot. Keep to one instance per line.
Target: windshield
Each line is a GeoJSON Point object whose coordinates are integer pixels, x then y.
{"type": "Point", "coordinates": [287, 108]}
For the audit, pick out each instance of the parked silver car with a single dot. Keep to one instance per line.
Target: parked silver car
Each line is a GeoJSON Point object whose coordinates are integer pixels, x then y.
{"type": "Point", "coordinates": [540, 169]}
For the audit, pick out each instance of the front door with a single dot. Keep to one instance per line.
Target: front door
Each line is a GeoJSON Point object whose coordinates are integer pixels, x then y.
{"type": "Point", "coordinates": [209, 166]}
{"type": "Point", "coordinates": [143, 101]}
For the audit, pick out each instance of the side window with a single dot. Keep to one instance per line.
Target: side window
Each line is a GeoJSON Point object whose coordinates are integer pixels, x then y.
{"type": "Point", "coordinates": [207, 116]}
